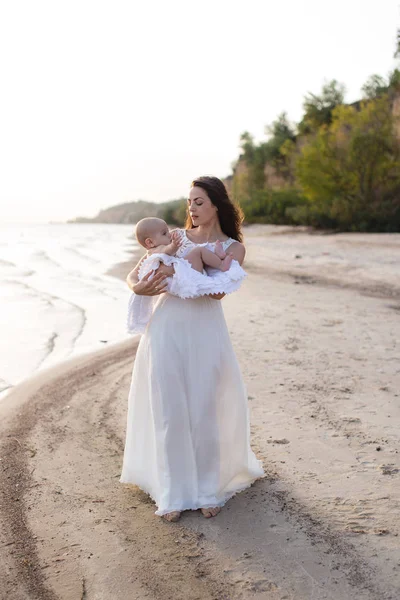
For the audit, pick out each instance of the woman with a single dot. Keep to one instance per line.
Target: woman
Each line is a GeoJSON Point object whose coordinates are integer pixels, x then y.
{"type": "Point", "coordinates": [188, 432]}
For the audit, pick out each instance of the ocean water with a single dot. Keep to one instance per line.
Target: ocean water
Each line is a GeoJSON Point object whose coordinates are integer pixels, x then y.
{"type": "Point", "coordinates": [55, 298]}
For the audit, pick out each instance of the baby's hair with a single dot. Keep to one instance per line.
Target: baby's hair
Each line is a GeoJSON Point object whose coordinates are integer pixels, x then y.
{"type": "Point", "coordinates": [146, 228]}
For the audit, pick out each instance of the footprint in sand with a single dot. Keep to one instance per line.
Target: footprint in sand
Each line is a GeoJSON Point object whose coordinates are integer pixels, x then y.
{"type": "Point", "coordinates": [331, 322]}
{"type": "Point", "coordinates": [355, 516]}
{"type": "Point", "coordinates": [368, 465]}
{"type": "Point", "coordinates": [260, 585]}
{"type": "Point", "coordinates": [390, 469]}
{"type": "Point", "coordinates": [291, 344]}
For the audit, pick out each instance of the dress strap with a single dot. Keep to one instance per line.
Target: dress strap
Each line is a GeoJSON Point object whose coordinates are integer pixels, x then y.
{"type": "Point", "coordinates": [228, 242]}
{"type": "Point", "coordinates": [186, 244]}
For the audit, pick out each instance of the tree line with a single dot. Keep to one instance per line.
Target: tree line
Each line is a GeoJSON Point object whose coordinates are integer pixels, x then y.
{"type": "Point", "coordinates": [339, 167]}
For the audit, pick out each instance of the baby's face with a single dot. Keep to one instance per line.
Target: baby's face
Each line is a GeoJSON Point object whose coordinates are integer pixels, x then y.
{"type": "Point", "coordinates": [162, 236]}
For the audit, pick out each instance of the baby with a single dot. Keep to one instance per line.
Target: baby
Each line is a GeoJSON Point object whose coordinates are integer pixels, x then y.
{"type": "Point", "coordinates": [189, 279]}
{"type": "Point", "coordinates": [153, 234]}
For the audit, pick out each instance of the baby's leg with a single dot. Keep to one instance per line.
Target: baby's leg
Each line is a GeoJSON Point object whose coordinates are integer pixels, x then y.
{"type": "Point", "coordinates": [219, 249]}
{"type": "Point", "coordinates": [194, 257]}
{"type": "Point", "coordinates": [203, 256]}
{"type": "Point", "coordinates": [212, 260]}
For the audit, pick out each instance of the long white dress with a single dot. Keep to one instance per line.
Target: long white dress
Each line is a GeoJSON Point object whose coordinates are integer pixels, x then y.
{"type": "Point", "coordinates": [188, 431]}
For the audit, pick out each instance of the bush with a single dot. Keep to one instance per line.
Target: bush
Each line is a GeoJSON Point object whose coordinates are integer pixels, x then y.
{"type": "Point", "coordinates": [272, 206]}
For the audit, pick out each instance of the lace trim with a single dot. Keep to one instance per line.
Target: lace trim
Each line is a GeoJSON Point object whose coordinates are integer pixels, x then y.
{"type": "Point", "coordinates": [187, 244]}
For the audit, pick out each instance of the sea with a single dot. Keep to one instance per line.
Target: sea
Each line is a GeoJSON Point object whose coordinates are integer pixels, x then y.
{"type": "Point", "coordinates": [56, 299]}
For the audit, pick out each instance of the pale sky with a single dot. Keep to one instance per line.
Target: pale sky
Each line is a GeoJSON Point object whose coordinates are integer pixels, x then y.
{"type": "Point", "coordinates": [104, 102]}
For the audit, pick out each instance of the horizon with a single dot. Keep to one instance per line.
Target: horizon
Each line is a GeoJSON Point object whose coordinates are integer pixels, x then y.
{"type": "Point", "coordinates": [143, 102]}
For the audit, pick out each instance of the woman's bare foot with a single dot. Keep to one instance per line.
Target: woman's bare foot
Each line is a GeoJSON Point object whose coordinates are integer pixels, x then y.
{"type": "Point", "coordinates": [210, 512]}
{"type": "Point", "coordinates": [226, 262]}
{"type": "Point", "coordinates": [219, 250]}
{"type": "Point", "coordinates": [172, 516]}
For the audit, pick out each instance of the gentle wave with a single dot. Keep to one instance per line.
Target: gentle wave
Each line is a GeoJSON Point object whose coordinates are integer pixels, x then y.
{"type": "Point", "coordinates": [56, 300]}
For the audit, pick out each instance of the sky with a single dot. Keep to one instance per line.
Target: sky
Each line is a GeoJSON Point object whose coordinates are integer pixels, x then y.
{"type": "Point", "coordinates": [105, 102]}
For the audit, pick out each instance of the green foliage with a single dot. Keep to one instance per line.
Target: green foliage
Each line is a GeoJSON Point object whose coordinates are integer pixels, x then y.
{"type": "Point", "coordinates": [397, 50]}
{"type": "Point", "coordinates": [173, 212]}
{"type": "Point", "coordinates": [394, 80]}
{"type": "Point", "coordinates": [247, 146]}
{"type": "Point", "coordinates": [350, 171]}
{"type": "Point", "coordinates": [255, 158]}
{"type": "Point", "coordinates": [179, 215]}
{"type": "Point", "coordinates": [272, 206]}
{"type": "Point", "coordinates": [280, 132]}
{"type": "Point", "coordinates": [318, 109]}
{"type": "Point", "coordinates": [342, 168]}
{"type": "Point", "coordinates": [374, 86]}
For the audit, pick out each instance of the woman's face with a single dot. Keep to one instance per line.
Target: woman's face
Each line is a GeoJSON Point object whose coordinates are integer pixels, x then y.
{"type": "Point", "coordinates": [201, 209]}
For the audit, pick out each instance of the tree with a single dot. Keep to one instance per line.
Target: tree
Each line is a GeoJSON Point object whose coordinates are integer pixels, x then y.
{"type": "Point", "coordinates": [394, 80]}
{"type": "Point", "coordinates": [350, 170]}
{"type": "Point", "coordinates": [397, 50]}
{"type": "Point", "coordinates": [280, 131]}
{"type": "Point", "coordinates": [318, 109]}
{"type": "Point", "coordinates": [374, 86]}
{"type": "Point", "coordinates": [247, 145]}
{"type": "Point", "coordinates": [377, 86]}
{"type": "Point", "coordinates": [251, 177]}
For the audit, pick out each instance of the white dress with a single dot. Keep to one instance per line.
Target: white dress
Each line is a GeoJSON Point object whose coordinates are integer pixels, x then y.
{"type": "Point", "coordinates": [186, 283]}
{"type": "Point", "coordinates": [188, 431]}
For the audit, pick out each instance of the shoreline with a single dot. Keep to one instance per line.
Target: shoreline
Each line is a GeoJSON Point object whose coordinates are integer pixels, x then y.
{"type": "Point", "coordinates": [320, 368]}
{"type": "Point", "coordinates": [96, 340]}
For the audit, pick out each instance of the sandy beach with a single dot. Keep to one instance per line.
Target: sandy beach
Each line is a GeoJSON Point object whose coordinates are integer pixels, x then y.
{"type": "Point", "coordinates": [316, 331]}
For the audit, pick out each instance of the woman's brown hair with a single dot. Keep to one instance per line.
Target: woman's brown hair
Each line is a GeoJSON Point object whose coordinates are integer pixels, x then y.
{"type": "Point", "coordinates": [230, 215]}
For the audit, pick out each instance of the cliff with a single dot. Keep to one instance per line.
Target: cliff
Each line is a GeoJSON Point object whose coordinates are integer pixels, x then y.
{"type": "Point", "coordinates": [237, 184]}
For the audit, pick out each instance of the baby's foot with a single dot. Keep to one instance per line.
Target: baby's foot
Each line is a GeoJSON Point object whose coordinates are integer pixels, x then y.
{"type": "Point", "coordinates": [210, 512]}
{"type": "Point", "coordinates": [227, 261]}
{"type": "Point", "coordinates": [172, 516]}
{"type": "Point", "coordinates": [219, 250]}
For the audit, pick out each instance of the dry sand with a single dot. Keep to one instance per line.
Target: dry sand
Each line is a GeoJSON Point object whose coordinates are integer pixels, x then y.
{"type": "Point", "coordinates": [317, 339]}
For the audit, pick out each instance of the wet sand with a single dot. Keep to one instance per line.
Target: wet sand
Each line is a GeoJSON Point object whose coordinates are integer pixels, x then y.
{"type": "Point", "coordinates": [317, 340]}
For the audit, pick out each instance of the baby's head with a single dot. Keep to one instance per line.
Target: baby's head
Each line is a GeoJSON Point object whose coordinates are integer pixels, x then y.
{"type": "Point", "coordinates": [152, 232]}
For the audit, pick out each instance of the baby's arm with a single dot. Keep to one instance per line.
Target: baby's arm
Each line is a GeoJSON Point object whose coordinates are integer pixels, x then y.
{"type": "Point", "coordinates": [169, 249]}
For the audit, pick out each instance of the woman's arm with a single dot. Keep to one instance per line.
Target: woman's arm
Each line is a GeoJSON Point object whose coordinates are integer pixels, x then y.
{"type": "Point", "coordinates": [238, 251]}
{"type": "Point", "coordinates": [133, 276]}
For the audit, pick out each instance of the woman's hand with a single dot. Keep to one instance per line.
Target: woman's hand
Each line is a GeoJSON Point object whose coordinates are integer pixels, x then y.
{"type": "Point", "coordinates": [157, 285]}
{"type": "Point", "coordinates": [149, 288]}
